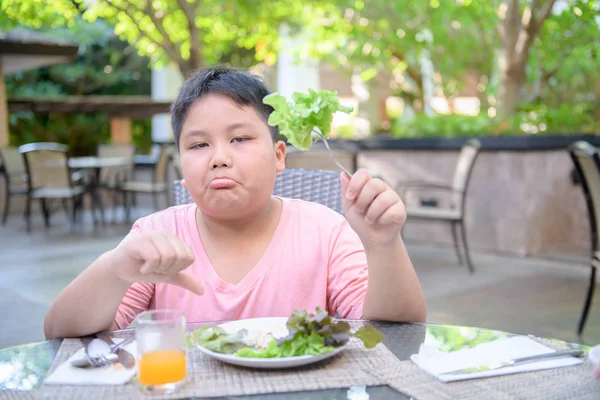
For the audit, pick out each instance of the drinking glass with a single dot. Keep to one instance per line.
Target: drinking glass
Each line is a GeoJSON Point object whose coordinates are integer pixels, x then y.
{"type": "Point", "coordinates": [162, 361]}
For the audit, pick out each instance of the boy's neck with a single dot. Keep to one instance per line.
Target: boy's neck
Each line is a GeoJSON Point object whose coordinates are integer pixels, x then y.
{"type": "Point", "coordinates": [219, 229]}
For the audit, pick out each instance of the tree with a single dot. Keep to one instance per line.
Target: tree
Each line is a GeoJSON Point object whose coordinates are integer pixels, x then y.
{"type": "Point", "coordinates": [36, 14]}
{"type": "Point", "coordinates": [563, 64]}
{"type": "Point", "coordinates": [523, 42]}
{"type": "Point", "coordinates": [105, 65]}
{"type": "Point", "coordinates": [195, 33]}
{"type": "Point", "coordinates": [189, 33]}
{"type": "Point", "coordinates": [521, 24]}
{"type": "Point", "coordinates": [393, 37]}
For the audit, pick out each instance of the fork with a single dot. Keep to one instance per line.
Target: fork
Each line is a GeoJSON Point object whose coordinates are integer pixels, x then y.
{"type": "Point", "coordinates": [317, 133]}
{"type": "Point", "coordinates": [95, 361]}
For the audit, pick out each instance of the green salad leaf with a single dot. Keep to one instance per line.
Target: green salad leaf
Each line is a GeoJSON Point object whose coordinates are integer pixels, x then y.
{"type": "Point", "coordinates": [214, 338]}
{"type": "Point", "coordinates": [298, 117]}
{"type": "Point", "coordinates": [308, 334]}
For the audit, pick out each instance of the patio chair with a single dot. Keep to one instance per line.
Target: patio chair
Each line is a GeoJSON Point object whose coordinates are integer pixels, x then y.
{"type": "Point", "coordinates": [457, 189]}
{"type": "Point", "coordinates": [15, 177]}
{"type": "Point", "coordinates": [158, 185]}
{"type": "Point", "coordinates": [321, 187]}
{"type": "Point", "coordinates": [49, 178]}
{"type": "Point", "coordinates": [587, 164]}
{"type": "Point", "coordinates": [112, 178]}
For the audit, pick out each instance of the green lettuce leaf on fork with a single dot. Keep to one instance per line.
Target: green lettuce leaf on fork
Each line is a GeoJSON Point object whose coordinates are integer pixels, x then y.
{"type": "Point", "coordinates": [298, 117]}
{"type": "Point", "coordinates": [308, 334]}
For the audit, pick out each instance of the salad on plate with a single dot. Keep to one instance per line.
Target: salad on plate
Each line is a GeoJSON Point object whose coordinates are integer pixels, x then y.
{"type": "Point", "coordinates": [304, 334]}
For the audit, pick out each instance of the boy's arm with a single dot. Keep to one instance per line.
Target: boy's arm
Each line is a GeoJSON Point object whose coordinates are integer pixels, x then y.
{"type": "Point", "coordinates": [394, 292]}
{"type": "Point", "coordinates": [376, 214]}
{"type": "Point", "coordinates": [89, 303]}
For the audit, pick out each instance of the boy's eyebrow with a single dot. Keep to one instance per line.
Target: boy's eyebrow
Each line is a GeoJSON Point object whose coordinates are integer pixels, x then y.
{"type": "Point", "coordinates": [230, 128]}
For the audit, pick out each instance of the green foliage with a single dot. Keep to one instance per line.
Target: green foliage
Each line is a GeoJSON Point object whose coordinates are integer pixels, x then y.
{"type": "Point", "coordinates": [347, 131]}
{"type": "Point", "coordinates": [531, 120]}
{"type": "Point", "coordinates": [36, 14]}
{"type": "Point", "coordinates": [81, 132]}
{"type": "Point", "coordinates": [196, 33]}
{"type": "Point", "coordinates": [391, 37]}
{"type": "Point", "coordinates": [564, 63]}
{"type": "Point", "coordinates": [442, 126]}
{"type": "Point", "coordinates": [462, 39]}
{"type": "Point", "coordinates": [105, 66]}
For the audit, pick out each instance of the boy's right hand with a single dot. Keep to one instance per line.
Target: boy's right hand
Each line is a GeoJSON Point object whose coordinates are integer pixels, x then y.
{"type": "Point", "coordinates": [155, 257]}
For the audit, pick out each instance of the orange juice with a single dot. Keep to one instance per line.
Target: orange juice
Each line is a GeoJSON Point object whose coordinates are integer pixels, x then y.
{"type": "Point", "coordinates": [161, 367]}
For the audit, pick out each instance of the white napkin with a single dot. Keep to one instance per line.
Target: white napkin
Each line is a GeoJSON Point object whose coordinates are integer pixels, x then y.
{"type": "Point", "coordinates": [436, 362]}
{"type": "Point", "coordinates": [112, 374]}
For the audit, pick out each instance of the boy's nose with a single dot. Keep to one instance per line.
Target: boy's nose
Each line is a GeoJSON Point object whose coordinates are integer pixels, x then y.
{"type": "Point", "coordinates": [221, 158]}
{"type": "Point", "coordinates": [219, 165]}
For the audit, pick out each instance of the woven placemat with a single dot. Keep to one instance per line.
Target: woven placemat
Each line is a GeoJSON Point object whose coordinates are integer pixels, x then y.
{"type": "Point", "coordinates": [575, 382]}
{"type": "Point", "coordinates": [208, 377]}
{"type": "Point", "coordinates": [7, 394]}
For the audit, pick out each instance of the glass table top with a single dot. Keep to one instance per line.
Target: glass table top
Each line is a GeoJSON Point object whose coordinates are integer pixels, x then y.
{"type": "Point", "coordinates": [23, 368]}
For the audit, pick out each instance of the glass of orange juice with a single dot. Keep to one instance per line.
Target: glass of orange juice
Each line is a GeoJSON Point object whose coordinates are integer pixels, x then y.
{"type": "Point", "coordinates": [162, 361]}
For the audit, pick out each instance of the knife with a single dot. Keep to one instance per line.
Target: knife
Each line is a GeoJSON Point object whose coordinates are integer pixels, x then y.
{"type": "Point", "coordinates": [125, 358]}
{"type": "Point", "coordinates": [509, 363]}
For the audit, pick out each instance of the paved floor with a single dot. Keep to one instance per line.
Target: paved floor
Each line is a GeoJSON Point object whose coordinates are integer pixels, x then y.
{"type": "Point", "coordinates": [542, 297]}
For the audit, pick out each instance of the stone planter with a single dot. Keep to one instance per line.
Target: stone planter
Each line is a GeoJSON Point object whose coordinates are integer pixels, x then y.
{"type": "Point", "coordinates": [522, 198]}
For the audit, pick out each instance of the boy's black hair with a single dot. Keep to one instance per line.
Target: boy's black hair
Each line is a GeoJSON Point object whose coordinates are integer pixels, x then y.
{"type": "Point", "coordinates": [242, 87]}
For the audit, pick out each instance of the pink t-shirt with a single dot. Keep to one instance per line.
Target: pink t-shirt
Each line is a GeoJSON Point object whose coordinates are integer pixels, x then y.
{"type": "Point", "coordinates": [314, 259]}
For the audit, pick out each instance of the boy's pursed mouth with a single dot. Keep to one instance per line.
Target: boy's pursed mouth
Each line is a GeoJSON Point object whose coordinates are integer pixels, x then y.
{"type": "Point", "coordinates": [222, 183]}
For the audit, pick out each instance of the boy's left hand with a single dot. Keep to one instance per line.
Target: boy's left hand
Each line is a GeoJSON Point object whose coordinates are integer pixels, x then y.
{"type": "Point", "coordinates": [372, 208]}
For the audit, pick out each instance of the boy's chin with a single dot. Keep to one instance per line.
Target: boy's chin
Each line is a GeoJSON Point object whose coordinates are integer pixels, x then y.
{"type": "Point", "coordinates": [230, 209]}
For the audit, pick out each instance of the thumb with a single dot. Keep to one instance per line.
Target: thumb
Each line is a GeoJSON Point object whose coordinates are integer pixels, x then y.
{"type": "Point", "coordinates": [187, 282]}
{"type": "Point", "coordinates": [345, 181]}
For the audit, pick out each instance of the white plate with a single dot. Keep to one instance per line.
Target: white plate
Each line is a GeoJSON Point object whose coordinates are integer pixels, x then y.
{"type": "Point", "coordinates": [274, 324]}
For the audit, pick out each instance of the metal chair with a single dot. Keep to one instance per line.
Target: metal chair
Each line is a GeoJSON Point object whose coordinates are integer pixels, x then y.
{"type": "Point", "coordinates": [323, 187]}
{"type": "Point", "coordinates": [111, 178]}
{"type": "Point", "coordinates": [49, 178]}
{"type": "Point", "coordinates": [458, 189]}
{"type": "Point", "coordinates": [15, 176]}
{"type": "Point", "coordinates": [587, 164]}
{"type": "Point", "coordinates": [159, 185]}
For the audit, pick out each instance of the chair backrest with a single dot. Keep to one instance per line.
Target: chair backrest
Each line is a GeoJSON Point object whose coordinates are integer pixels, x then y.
{"type": "Point", "coordinates": [13, 163]}
{"type": "Point", "coordinates": [464, 168]}
{"type": "Point", "coordinates": [587, 164]}
{"type": "Point", "coordinates": [321, 187]}
{"type": "Point", "coordinates": [160, 170]}
{"type": "Point", "coordinates": [111, 174]}
{"type": "Point", "coordinates": [46, 165]}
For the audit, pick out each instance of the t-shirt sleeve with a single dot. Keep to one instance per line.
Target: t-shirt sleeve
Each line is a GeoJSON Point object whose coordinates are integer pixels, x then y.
{"type": "Point", "coordinates": [136, 300]}
{"type": "Point", "coordinates": [347, 273]}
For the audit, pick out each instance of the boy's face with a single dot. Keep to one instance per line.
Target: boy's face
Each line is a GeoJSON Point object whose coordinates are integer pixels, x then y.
{"type": "Point", "coordinates": [228, 159]}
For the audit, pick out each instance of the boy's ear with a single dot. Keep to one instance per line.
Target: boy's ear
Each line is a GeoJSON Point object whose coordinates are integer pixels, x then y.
{"type": "Point", "coordinates": [280, 152]}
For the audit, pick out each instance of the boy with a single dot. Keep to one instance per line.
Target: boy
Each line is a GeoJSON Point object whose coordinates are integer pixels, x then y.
{"type": "Point", "coordinates": [238, 251]}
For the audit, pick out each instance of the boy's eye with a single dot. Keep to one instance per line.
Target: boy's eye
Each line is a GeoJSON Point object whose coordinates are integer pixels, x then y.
{"type": "Point", "coordinates": [240, 139]}
{"type": "Point", "coordinates": [199, 145]}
